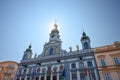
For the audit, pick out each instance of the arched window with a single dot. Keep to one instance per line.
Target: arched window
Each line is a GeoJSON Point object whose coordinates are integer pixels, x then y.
{"type": "Point", "coordinates": [86, 45]}
{"type": "Point", "coordinates": [107, 76]}
{"type": "Point", "coordinates": [51, 51]}
{"type": "Point", "coordinates": [89, 64]}
{"type": "Point", "coordinates": [103, 62]}
{"type": "Point", "coordinates": [116, 60]}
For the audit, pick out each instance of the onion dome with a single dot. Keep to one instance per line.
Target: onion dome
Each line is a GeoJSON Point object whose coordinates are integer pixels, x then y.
{"type": "Point", "coordinates": [29, 48]}
{"type": "Point", "coordinates": [84, 36]}
{"type": "Point", "coordinates": [55, 29]}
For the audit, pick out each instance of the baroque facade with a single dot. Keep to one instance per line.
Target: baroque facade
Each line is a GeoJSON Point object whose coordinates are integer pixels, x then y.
{"type": "Point", "coordinates": [54, 63]}
{"type": "Point", "coordinates": [108, 61]}
{"type": "Point", "coordinates": [8, 70]}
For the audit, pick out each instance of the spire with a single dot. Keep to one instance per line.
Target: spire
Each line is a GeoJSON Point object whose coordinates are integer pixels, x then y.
{"type": "Point", "coordinates": [55, 25]}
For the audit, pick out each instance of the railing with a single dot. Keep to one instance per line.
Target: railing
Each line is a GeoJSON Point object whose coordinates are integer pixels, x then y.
{"type": "Point", "coordinates": [61, 56]}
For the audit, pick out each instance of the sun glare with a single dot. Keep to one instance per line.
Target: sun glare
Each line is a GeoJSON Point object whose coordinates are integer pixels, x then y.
{"type": "Point", "coordinates": [51, 26]}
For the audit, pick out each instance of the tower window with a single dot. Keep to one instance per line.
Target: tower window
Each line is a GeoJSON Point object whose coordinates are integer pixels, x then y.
{"type": "Point", "coordinates": [107, 76]}
{"type": "Point", "coordinates": [86, 46]}
{"type": "Point", "coordinates": [116, 60]}
{"type": "Point", "coordinates": [103, 62]}
{"type": "Point", "coordinates": [51, 51]}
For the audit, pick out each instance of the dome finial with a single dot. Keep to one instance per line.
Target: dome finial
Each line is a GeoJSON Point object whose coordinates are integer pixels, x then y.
{"type": "Point", "coordinates": [55, 25]}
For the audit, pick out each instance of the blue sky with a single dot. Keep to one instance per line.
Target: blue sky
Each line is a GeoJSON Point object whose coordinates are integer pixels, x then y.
{"type": "Point", "coordinates": [28, 21]}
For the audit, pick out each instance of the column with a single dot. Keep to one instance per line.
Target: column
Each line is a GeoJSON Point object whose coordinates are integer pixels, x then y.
{"type": "Point", "coordinates": [70, 75]}
{"type": "Point", "coordinates": [45, 77]}
{"type": "Point", "coordinates": [20, 78]}
{"type": "Point", "coordinates": [39, 77]}
{"type": "Point", "coordinates": [58, 76]}
{"type": "Point", "coordinates": [25, 77]}
{"type": "Point", "coordinates": [78, 75]}
{"type": "Point", "coordinates": [51, 76]}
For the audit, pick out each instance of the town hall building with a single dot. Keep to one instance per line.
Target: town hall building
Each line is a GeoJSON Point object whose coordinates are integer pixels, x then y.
{"type": "Point", "coordinates": [55, 63]}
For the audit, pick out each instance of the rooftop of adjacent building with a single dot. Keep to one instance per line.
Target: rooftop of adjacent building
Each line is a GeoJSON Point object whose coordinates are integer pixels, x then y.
{"type": "Point", "coordinates": [112, 47]}
{"type": "Point", "coordinates": [7, 62]}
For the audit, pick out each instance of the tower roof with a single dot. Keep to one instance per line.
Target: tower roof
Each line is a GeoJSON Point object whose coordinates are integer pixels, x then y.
{"type": "Point", "coordinates": [55, 28]}
{"type": "Point", "coordinates": [29, 48]}
{"type": "Point", "coordinates": [84, 36]}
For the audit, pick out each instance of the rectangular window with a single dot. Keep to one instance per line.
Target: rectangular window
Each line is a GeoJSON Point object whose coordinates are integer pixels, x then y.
{"type": "Point", "coordinates": [73, 65]}
{"type": "Point", "coordinates": [42, 78]}
{"type": "Point", "coordinates": [48, 77]}
{"type": "Point", "coordinates": [61, 77]}
{"type": "Point", "coordinates": [89, 64]}
{"type": "Point", "coordinates": [103, 62]}
{"type": "Point", "coordinates": [74, 76]}
{"type": "Point", "coordinates": [17, 78]}
{"type": "Point", "coordinates": [22, 79]}
{"type": "Point", "coordinates": [37, 78]}
{"type": "Point", "coordinates": [54, 77]}
{"type": "Point", "coordinates": [82, 76]}
{"type": "Point", "coordinates": [107, 76]}
{"type": "Point", "coordinates": [28, 78]}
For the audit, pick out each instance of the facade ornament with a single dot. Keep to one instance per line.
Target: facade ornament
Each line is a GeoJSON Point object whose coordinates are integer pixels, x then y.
{"type": "Point", "coordinates": [35, 55]}
{"type": "Point", "coordinates": [70, 48]}
{"type": "Point", "coordinates": [77, 47]}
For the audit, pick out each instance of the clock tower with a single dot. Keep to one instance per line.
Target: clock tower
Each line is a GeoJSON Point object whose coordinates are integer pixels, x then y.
{"type": "Point", "coordinates": [54, 45]}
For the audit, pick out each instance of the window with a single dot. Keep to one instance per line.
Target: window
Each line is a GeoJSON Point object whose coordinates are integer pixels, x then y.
{"type": "Point", "coordinates": [30, 71]}
{"type": "Point", "coordinates": [11, 65]}
{"type": "Point", "coordinates": [28, 78]}
{"type": "Point", "coordinates": [103, 62]}
{"type": "Point", "coordinates": [20, 70]}
{"type": "Point", "coordinates": [51, 51]}
{"type": "Point", "coordinates": [46, 52]}
{"type": "Point", "coordinates": [73, 65]}
{"type": "Point", "coordinates": [6, 78]}
{"type": "Point", "coordinates": [116, 60]}
{"type": "Point", "coordinates": [56, 50]}
{"type": "Point", "coordinates": [38, 70]}
{"type": "Point", "coordinates": [17, 78]}
{"type": "Point", "coordinates": [37, 78]}
{"type": "Point", "coordinates": [22, 79]}
{"type": "Point", "coordinates": [93, 76]}
{"type": "Point", "coordinates": [82, 76]}
{"type": "Point", "coordinates": [107, 76]}
{"type": "Point", "coordinates": [13, 72]}
{"type": "Point", "coordinates": [81, 64]}
{"type": "Point", "coordinates": [54, 77]}
{"type": "Point", "coordinates": [24, 71]}
{"type": "Point", "coordinates": [42, 78]}
{"type": "Point", "coordinates": [86, 46]}
{"type": "Point", "coordinates": [11, 78]}
{"type": "Point", "coordinates": [89, 64]}
{"type": "Point", "coordinates": [61, 77]}
{"type": "Point", "coordinates": [61, 67]}
{"type": "Point", "coordinates": [74, 76]}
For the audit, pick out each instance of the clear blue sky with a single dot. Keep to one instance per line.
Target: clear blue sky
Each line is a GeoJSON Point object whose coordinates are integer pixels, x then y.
{"type": "Point", "coordinates": [28, 21]}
